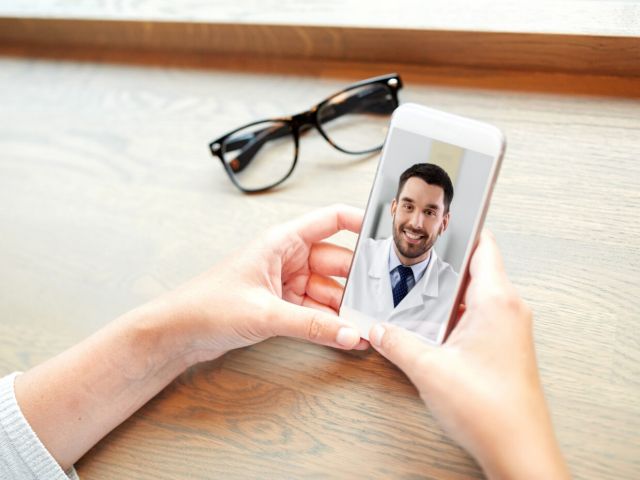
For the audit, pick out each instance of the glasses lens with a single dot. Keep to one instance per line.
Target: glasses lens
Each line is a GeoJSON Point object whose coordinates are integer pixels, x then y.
{"type": "Point", "coordinates": [260, 155]}
{"type": "Point", "coordinates": [357, 120]}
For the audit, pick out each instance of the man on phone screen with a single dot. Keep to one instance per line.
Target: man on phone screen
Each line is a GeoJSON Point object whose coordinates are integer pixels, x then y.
{"type": "Point", "coordinates": [401, 279]}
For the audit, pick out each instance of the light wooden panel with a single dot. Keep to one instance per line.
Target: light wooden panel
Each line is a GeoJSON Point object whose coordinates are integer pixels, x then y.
{"type": "Point", "coordinates": [501, 79]}
{"type": "Point", "coordinates": [555, 53]}
{"type": "Point", "coordinates": [580, 17]}
{"type": "Point", "coordinates": [108, 197]}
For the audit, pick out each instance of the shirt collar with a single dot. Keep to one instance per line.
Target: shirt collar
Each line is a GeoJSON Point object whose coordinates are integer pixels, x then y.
{"type": "Point", "coordinates": [418, 269]}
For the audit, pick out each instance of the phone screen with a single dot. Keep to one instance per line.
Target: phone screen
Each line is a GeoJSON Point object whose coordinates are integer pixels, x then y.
{"type": "Point", "coordinates": [418, 228]}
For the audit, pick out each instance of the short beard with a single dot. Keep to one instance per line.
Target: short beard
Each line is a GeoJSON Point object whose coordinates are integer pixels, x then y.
{"type": "Point", "coordinates": [397, 239]}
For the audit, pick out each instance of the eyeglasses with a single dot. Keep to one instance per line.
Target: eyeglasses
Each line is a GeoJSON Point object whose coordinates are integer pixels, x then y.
{"type": "Point", "coordinates": [262, 154]}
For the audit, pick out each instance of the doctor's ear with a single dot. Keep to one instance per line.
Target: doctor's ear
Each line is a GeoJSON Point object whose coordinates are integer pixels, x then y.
{"type": "Point", "coordinates": [394, 205]}
{"type": "Point", "coordinates": [445, 222]}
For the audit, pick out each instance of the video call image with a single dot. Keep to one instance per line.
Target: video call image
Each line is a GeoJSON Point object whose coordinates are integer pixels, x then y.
{"type": "Point", "coordinates": [416, 232]}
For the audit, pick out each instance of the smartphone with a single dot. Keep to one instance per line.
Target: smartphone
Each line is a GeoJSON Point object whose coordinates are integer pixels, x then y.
{"type": "Point", "coordinates": [423, 219]}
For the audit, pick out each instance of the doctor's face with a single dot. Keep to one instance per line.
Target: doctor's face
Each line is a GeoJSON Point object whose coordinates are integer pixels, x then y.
{"type": "Point", "coordinates": [418, 219]}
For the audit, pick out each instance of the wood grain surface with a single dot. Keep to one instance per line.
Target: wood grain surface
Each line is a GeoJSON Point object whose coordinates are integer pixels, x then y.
{"type": "Point", "coordinates": [108, 197]}
{"type": "Point", "coordinates": [501, 79]}
{"type": "Point", "coordinates": [589, 37]}
{"type": "Point", "coordinates": [579, 17]}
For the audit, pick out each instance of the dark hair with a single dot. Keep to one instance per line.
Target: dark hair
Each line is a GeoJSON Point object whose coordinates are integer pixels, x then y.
{"type": "Point", "coordinates": [431, 174]}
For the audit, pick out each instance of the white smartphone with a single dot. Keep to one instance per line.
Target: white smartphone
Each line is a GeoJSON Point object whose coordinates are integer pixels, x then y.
{"type": "Point", "coordinates": [423, 219]}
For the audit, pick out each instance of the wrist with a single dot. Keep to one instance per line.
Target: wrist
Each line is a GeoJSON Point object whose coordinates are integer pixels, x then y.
{"type": "Point", "coordinates": [166, 335]}
{"type": "Point", "coordinates": [522, 449]}
{"type": "Point", "coordinates": [86, 391]}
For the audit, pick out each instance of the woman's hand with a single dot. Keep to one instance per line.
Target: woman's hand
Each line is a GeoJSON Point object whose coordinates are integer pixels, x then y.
{"type": "Point", "coordinates": [482, 384]}
{"type": "Point", "coordinates": [280, 284]}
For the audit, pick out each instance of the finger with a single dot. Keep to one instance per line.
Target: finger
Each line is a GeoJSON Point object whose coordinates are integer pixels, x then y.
{"type": "Point", "coordinates": [311, 303]}
{"type": "Point", "coordinates": [314, 325]}
{"type": "Point", "coordinates": [486, 262]}
{"type": "Point", "coordinates": [325, 290]}
{"type": "Point", "coordinates": [453, 326]}
{"type": "Point", "coordinates": [330, 260]}
{"type": "Point", "coordinates": [400, 346]}
{"type": "Point", "coordinates": [293, 290]}
{"type": "Point", "coordinates": [486, 271]}
{"type": "Point", "coordinates": [323, 223]}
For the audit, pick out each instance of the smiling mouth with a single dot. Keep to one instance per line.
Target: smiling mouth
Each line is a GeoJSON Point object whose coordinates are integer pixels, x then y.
{"type": "Point", "coordinates": [412, 237]}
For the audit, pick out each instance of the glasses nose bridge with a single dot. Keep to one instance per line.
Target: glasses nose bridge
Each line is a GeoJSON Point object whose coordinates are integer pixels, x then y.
{"type": "Point", "coordinates": [307, 118]}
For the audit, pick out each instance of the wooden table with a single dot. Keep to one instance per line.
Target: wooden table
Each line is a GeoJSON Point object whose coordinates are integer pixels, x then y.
{"type": "Point", "coordinates": [108, 197]}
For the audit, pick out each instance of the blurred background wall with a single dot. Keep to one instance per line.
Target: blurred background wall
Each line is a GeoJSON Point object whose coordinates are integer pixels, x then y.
{"type": "Point", "coordinates": [468, 172]}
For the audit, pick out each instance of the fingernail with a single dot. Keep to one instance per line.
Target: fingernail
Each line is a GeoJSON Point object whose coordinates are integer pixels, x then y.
{"type": "Point", "coordinates": [347, 337]}
{"type": "Point", "coordinates": [376, 335]}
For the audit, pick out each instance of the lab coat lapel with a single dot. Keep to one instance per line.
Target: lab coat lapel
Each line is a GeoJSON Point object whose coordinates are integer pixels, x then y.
{"type": "Point", "coordinates": [379, 276]}
{"type": "Point", "coordinates": [425, 288]}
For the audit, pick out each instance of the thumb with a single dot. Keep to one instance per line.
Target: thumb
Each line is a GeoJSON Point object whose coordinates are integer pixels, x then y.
{"type": "Point", "coordinates": [317, 326]}
{"type": "Point", "coordinates": [400, 346]}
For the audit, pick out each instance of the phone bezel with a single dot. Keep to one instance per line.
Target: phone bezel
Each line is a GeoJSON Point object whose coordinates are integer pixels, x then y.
{"type": "Point", "coordinates": [456, 130]}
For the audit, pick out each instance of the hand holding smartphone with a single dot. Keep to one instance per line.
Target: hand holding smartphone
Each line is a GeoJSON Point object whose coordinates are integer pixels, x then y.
{"type": "Point", "coordinates": [425, 212]}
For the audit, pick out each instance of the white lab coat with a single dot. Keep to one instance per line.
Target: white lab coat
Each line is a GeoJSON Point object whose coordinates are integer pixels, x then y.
{"type": "Point", "coordinates": [425, 308]}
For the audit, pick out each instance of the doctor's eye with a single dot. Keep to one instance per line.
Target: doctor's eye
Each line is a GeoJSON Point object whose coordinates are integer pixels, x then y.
{"type": "Point", "coordinates": [407, 206]}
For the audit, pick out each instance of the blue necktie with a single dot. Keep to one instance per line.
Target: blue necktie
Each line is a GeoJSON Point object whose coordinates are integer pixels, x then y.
{"type": "Point", "coordinates": [403, 286]}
